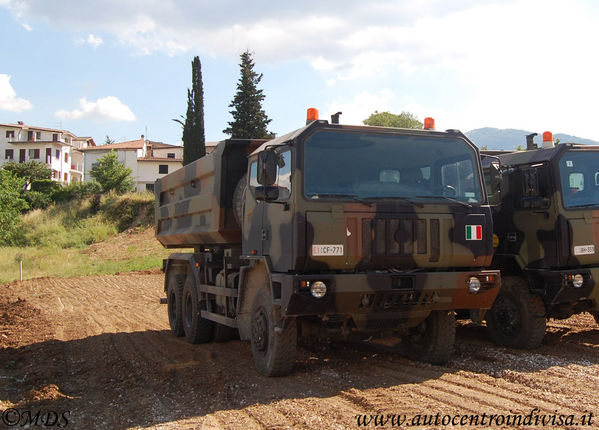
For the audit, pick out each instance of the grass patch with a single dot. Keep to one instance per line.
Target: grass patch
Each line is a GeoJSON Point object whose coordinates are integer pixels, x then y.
{"type": "Point", "coordinates": [96, 236]}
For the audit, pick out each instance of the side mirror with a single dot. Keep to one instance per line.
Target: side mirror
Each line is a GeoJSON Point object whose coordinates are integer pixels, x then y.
{"type": "Point", "coordinates": [267, 193]}
{"type": "Point", "coordinates": [267, 167]}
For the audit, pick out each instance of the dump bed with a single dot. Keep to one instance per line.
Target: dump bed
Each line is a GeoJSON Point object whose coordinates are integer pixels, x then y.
{"type": "Point", "coordinates": [194, 205]}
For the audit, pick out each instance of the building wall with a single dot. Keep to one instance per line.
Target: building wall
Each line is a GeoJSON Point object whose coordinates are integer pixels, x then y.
{"type": "Point", "coordinates": [148, 172]}
{"type": "Point", "coordinates": [126, 156]}
{"type": "Point", "coordinates": [164, 152]}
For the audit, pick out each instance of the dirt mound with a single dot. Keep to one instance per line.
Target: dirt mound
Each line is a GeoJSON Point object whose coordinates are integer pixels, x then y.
{"type": "Point", "coordinates": [100, 349]}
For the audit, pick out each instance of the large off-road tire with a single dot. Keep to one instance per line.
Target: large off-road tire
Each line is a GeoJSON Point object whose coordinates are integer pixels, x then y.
{"type": "Point", "coordinates": [518, 317]}
{"type": "Point", "coordinates": [273, 342]}
{"type": "Point", "coordinates": [432, 340]}
{"type": "Point", "coordinates": [196, 328]}
{"type": "Point", "coordinates": [174, 301]}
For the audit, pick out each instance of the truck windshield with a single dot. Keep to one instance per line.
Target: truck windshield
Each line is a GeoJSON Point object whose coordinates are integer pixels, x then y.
{"type": "Point", "coordinates": [579, 177]}
{"type": "Point", "coordinates": [350, 165]}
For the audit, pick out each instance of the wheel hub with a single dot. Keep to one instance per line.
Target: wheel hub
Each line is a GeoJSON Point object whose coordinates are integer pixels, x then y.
{"type": "Point", "coordinates": [260, 330]}
{"type": "Point", "coordinates": [507, 315]}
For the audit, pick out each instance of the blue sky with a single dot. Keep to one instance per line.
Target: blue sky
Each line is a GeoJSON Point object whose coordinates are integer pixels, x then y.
{"type": "Point", "coordinates": [121, 67]}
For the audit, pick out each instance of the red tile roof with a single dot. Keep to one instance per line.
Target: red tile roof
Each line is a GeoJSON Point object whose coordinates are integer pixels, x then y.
{"type": "Point", "coordinates": [178, 160]}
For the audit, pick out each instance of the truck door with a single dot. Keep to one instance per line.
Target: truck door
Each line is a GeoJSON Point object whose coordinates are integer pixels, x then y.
{"type": "Point", "coordinates": [276, 232]}
{"type": "Point", "coordinates": [267, 225]}
{"type": "Point", "coordinates": [253, 212]}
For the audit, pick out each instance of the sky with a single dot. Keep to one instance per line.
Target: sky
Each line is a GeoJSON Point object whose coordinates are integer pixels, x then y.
{"type": "Point", "coordinates": [121, 68]}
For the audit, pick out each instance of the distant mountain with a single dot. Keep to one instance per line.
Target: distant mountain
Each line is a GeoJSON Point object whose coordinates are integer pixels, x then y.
{"type": "Point", "coordinates": [509, 138]}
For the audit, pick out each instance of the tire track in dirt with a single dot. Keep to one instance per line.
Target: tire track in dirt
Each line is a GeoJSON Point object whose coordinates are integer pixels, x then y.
{"type": "Point", "coordinates": [118, 365]}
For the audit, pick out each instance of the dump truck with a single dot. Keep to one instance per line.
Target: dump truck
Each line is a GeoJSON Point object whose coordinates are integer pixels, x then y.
{"type": "Point", "coordinates": [545, 203]}
{"type": "Point", "coordinates": [330, 231]}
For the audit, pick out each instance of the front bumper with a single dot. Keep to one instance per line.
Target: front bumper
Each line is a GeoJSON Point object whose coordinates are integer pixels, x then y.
{"type": "Point", "coordinates": [556, 287]}
{"type": "Point", "coordinates": [374, 297]}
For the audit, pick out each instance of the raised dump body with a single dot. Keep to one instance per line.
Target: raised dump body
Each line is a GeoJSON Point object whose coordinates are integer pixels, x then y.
{"type": "Point", "coordinates": [194, 205]}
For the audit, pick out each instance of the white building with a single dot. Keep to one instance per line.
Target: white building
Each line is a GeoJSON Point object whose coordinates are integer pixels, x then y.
{"type": "Point", "coordinates": [59, 149]}
{"type": "Point", "coordinates": [147, 160]}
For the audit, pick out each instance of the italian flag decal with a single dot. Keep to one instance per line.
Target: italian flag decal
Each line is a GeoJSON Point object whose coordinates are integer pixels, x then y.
{"type": "Point", "coordinates": [474, 232]}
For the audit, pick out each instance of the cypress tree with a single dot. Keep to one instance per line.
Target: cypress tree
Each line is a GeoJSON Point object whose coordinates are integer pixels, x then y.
{"type": "Point", "coordinates": [194, 140]}
{"type": "Point", "coordinates": [249, 119]}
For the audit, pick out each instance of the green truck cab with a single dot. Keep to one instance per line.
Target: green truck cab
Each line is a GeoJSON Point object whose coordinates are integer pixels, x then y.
{"type": "Point", "coordinates": [331, 230]}
{"type": "Point", "coordinates": [546, 221]}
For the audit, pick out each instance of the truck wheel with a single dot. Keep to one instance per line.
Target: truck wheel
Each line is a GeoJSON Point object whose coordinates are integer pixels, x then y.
{"type": "Point", "coordinates": [273, 342]}
{"type": "Point", "coordinates": [517, 318]}
{"type": "Point", "coordinates": [196, 328]}
{"type": "Point", "coordinates": [223, 333]}
{"type": "Point", "coordinates": [174, 296]}
{"type": "Point", "coordinates": [432, 340]}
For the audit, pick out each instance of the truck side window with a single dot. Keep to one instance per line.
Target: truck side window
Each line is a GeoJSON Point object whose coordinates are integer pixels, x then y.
{"type": "Point", "coordinates": [254, 175]}
{"type": "Point", "coordinates": [534, 188]}
{"type": "Point", "coordinates": [284, 175]}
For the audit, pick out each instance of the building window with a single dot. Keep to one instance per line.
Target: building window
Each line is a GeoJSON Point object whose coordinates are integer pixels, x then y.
{"type": "Point", "coordinates": [163, 168]}
{"type": "Point", "coordinates": [8, 154]}
{"type": "Point", "coordinates": [170, 155]}
{"type": "Point", "coordinates": [34, 154]}
{"type": "Point", "coordinates": [66, 177]}
{"type": "Point", "coordinates": [150, 187]}
{"type": "Point", "coordinates": [58, 154]}
{"type": "Point", "coordinates": [55, 137]}
{"type": "Point", "coordinates": [38, 135]}
{"type": "Point", "coordinates": [10, 134]}
{"type": "Point", "coordinates": [66, 157]}
{"type": "Point", "coordinates": [30, 136]}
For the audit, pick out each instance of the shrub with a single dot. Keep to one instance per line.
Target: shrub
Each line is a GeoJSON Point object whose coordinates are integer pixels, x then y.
{"type": "Point", "coordinates": [37, 199]}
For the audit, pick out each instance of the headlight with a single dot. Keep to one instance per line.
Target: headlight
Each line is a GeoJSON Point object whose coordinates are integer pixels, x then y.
{"type": "Point", "coordinates": [473, 285]}
{"type": "Point", "coordinates": [577, 281]}
{"type": "Point", "coordinates": [318, 289]}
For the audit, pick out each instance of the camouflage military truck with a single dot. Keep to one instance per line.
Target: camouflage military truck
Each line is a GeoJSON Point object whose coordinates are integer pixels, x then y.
{"type": "Point", "coordinates": [546, 220]}
{"type": "Point", "coordinates": [331, 230]}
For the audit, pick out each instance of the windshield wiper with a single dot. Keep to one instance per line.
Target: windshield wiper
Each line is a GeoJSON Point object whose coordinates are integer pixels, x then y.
{"type": "Point", "coordinates": [468, 205]}
{"type": "Point", "coordinates": [342, 196]}
{"type": "Point", "coordinates": [586, 205]}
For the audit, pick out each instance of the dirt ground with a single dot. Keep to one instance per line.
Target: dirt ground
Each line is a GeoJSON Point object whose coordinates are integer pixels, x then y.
{"type": "Point", "coordinates": [97, 351]}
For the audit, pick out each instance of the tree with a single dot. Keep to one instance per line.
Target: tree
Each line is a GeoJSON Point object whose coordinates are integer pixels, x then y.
{"type": "Point", "coordinates": [249, 119]}
{"type": "Point", "coordinates": [112, 174]}
{"type": "Point", "coordinates": [30, 171]}
{"type": "Point", "coordinates": [11, 206]}
{"type": "Point", "coordinates": [194, 140]}
{"type": "Point", "coordinates": [108, 140]}
{"type": "Point", "coordinates": [388, 119]}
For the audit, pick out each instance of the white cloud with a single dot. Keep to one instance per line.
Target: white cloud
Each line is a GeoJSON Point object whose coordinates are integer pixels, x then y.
{"type": "Point", "coordinates": [106, 109]}
{"type": "Point", "coordinates": [94, 41]}
{"type": "Point", "coordinates": [518, 63]}
{"type": "Point", "coordinates": [26, 26]}
{"type": "Point", "coordinates": [361, 106]}
{"type": "Point", "coordinates": [8, 97]}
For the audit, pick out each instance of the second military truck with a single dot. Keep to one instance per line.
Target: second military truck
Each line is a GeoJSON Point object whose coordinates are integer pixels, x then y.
{"type": "Point", "coordinates": [331, 230]}
{"type": "Point", "coordinates": [546, 218]}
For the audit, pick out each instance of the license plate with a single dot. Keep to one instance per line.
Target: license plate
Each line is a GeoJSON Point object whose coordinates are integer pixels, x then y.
{"type": "Point", "coordinates": [584, 250]}
{"type": "Point", "coordinates": [327, 250]}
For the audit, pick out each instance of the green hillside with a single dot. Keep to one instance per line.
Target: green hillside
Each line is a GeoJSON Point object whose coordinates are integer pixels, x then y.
{"type": "Point", "coordinates": [98, 235]}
